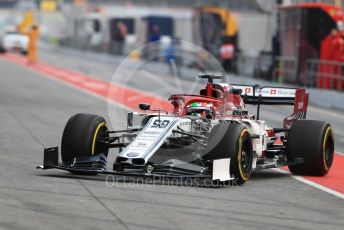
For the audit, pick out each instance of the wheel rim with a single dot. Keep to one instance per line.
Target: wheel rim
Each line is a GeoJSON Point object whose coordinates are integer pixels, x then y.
{"type": "Point", "coordinates": [246, 158]}
{"type": "Point", "coordinates": [328, 149]}
{"type": "Point", "coordinates": [245, 155]}
{"type": "Point", "coordinates": [98, 147]}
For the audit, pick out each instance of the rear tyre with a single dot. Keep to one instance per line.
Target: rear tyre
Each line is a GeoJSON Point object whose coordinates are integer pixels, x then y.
{"type": "Point", "coordinates": [233, 141]}
{"type": "Point", "coordinates": [314, 142]}
{"type": "Point", "coordinates": [80, 137]}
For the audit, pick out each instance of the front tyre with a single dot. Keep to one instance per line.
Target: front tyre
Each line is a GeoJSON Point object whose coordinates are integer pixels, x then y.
{"type": "Point", "coordinates": [314, 142]}
{"type": "Point", "coordinates": [81, 137]}
{"type": "Point", "coordinates": [232, 141]}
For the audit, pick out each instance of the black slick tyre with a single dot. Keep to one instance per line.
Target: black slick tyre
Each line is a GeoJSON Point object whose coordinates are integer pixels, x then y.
{"type": "Point", "coordinates": [313, 141]}
{"type": "Point", "coordinates": [232, 141]}
{"type": "Point", "coordinates": [81, 135]}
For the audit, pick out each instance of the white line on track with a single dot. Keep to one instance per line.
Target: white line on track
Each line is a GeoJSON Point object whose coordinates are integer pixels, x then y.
{"type": "Point", "coordinates": [339, 153]}
{"type": "Point", "coordinates": [318, 186]}
{"type": "Point", "coordinates": [313, 184]}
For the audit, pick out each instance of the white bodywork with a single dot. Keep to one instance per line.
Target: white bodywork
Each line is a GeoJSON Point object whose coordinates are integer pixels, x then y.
{"type": "Point", "coordinates": [153, 136]}
{"type": "Point", "coordinates": [258, 129]}
{"type": "Point", "coordinates": [157, 129]}
{"type": "Point", "coordinates": [259, 144]}
{"type": "Point", "coordinates": [15, 41]}
{"type": "Point", "coordinates": [221, 169]}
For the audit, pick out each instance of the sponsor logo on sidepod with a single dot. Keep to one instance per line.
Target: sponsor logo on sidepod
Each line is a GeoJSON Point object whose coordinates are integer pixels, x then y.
{"type": "Point", "coordinates": [132, 154]}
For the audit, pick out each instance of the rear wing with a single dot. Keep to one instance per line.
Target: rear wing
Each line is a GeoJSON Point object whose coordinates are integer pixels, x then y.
{"type": "Point", "coordinates": [271, 95]}
{"type": "Point", "coordinates": [268, 95]}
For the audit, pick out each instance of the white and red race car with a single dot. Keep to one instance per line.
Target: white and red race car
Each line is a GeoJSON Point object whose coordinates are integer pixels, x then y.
{"type": "Point", "coordinates": [211, 136]}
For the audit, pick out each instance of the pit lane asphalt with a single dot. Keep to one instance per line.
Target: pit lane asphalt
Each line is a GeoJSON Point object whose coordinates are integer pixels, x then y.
{"type": "Point", "coordinates": [33, 112]}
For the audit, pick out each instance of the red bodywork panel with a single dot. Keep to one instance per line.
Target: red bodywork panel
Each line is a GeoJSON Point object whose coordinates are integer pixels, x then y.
{"type": "Point", "coordinates": [181, 101]}
{"type": "Point", "coordinates": [300, 107]}
{"type": "Point", "coordinates": [224, 105]}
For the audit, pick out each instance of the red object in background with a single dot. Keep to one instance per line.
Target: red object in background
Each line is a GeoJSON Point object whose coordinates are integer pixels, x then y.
{"type": "Point", "coordinates": [227, 51]}
{"type": "Point", "coordinates": [313, 41]}
{"type": "Point", "coordinates": [332, 49]}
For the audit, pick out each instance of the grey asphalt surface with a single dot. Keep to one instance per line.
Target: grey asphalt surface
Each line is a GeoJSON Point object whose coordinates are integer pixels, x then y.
{"type": "Point", "coordinates": [33, 112]}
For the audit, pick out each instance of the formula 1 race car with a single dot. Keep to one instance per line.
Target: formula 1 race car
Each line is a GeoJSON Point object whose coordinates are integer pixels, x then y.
{"type": "Point", "coordinates": [208, 136]}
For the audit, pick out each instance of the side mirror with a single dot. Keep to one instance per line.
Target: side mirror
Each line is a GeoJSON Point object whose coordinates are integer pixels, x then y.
{"type": "Point", "coordinates": [237, 91]}
{"type": "Point", "coordinates": [144, 106]}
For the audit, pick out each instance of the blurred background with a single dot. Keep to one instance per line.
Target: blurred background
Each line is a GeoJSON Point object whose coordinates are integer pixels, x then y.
{"type": "Point", "coordinates": [284, 41]}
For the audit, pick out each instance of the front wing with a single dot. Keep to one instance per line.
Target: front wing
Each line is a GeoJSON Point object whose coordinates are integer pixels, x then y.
{"type": "Point", "coordinates": [97, 165]}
